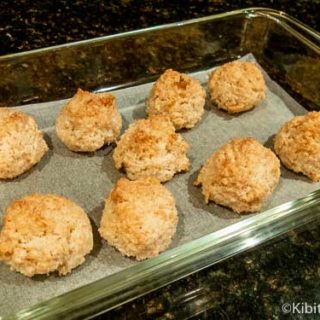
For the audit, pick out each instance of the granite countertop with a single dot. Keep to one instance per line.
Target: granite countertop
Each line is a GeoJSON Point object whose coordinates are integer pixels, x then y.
{"type": "Point", "coordinates": [26, 24]}
{"type": "Point", "coordinates": [252, 285]}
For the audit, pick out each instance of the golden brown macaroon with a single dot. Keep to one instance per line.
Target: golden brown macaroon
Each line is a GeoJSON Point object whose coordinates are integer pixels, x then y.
{"type": "Point", "coordinates": [139, 218]}
{"type": "Point", "coordinates": [43, 233]}
{"type": "Point", "coordinates": [178, 96]}
{"type": "Point", "coordinates": [240, 175]}
{"type": "Point", "coordinates": [237, 86]}
{"type": "Point", "coordinates": [89, 121]}
{"type": "Point", "coordinates": [21, 143]}
{"type": "Point", "coordinates": [151, 147]}
{"type": "Point", "coordinates": [298, 145]}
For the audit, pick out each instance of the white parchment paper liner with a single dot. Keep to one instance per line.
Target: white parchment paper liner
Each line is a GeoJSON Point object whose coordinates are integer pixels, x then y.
{"type": "Point", "coordinates": [87, 179]}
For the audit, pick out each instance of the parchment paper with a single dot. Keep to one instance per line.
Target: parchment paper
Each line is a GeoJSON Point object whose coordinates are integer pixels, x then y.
{"type": "Point", "coordinates": [87, 179]}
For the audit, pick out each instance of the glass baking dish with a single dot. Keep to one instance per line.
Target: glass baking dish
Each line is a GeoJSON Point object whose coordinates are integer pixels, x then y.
{"type": "Point", "coordinates": [288, 50]}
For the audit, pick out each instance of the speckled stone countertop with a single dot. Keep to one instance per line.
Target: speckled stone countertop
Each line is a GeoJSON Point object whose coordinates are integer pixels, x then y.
{"type": "Point", "coordinates": [26, 24]}
{"type": "Point", "coordinates": [253, 285]}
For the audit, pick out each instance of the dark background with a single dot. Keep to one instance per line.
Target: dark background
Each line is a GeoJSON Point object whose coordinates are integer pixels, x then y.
{"type": "Point", "coordinates": [26, 24]}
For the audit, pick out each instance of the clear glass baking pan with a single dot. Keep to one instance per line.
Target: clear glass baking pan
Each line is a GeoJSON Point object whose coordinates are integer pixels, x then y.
{"type": "Point", "coordinates": [288, 50]}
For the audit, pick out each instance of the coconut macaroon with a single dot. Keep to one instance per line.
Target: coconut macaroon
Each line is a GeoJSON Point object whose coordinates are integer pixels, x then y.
{"type": "Point", "coordinates": [89, 121]}
{"type": "Point", "coordinates": [43, 233]}
{"type": "Point", "coordinates": [139, 218]}
{"type": "Point", "coordinates": [151, 147]}
{"type": "Point", "coordinates": [237, 86]}
{"type": "Point", "coordinates": [21, 143]}
{"type": "Point", "coordinates": [240, 175]}
{"type": "Point", "coordinates": [179, 96]}
{"type": "Point", "coordinates": [298, 145]}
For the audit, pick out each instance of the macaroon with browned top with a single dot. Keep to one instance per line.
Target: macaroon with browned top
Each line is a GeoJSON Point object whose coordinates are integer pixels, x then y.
{"type": "Point", "coordinates": [151, 147]}
{"type": "Point", "coordinates": [89, 121]}
{"type": "Point", "coordinates": [43, 233]}
{"type": "Point", "coordinates": [237, 86]}
{"type": "Point", "coordinates": [21, 143]}
{"type": "Point", "coordinates": [298, 145]}
{"type": "Point", "coordinates": [240, 175]}
{"type": "Point", "coordinates": [178, 96]}
{"type": "Point", "coordinates": [139, 218]}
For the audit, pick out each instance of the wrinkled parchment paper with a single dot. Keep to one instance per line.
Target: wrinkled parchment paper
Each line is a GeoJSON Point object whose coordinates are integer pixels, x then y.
{"type": "Point", "coordinates": [87, 179]}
